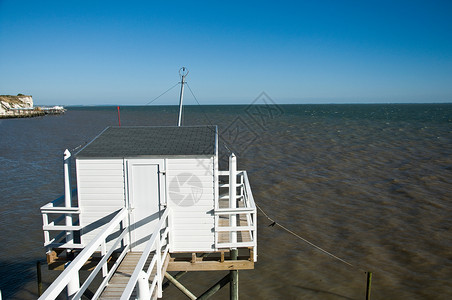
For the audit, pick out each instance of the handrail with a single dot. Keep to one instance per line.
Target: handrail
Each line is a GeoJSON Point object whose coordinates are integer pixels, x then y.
{"type": "Point", "coordinates": [101, 265]}
{"type": "Point", "coordinates": [248, 190]}
{"type": "Point", "coordinates": [230, 211]}
{"type": "Point", "coordinates": [60, 210]}
{"type": "Point", "coordinates": [155, 242]}
{"type": "Point", "coordinates": [73, 268]}
{"type": "Point", "coordinates": [249, 209]}
{"type": "Point", "coordinates": [253, 217]}
{"type": "Point", "coordinates": [54, 208]}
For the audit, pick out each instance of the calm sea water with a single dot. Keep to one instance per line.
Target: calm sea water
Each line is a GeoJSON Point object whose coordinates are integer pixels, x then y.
{"type": "Point", "coordinates": [370, 183]}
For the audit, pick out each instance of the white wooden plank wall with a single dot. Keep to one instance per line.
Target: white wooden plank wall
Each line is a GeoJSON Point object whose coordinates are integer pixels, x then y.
{"type": "Point", "coordinates": [193, 223]}
{"type": "Point", "coordinates": [100, 191]}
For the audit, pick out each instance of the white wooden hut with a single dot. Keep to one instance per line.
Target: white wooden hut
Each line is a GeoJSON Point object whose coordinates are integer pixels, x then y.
{"type": "Point", "coordinates": [156, 192]}
{"type": "Point", "coordinates": [147, 169]}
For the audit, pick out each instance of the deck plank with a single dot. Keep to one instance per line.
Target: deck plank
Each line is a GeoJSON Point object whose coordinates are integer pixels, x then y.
{"type": "Point", "coordinates": [119, 281]}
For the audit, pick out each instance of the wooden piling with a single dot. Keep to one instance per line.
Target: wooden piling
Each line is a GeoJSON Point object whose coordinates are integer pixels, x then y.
{"type": "Point", "coordinates": [234, 286]}
{"type": "Point", "coordinates": [369, 282]}
{"type": "Point", "coordinates": [39, 276]}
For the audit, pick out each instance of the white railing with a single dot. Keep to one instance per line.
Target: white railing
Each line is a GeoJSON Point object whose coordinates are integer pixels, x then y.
{"type": "Point", "coordinates": [245, 206]}
{"type": "Point", "coordinates": [55, 213]}
{"type": "Point", "coordinates": [99, 243]}
{"type": "Point", "coordinates": [160, 243]}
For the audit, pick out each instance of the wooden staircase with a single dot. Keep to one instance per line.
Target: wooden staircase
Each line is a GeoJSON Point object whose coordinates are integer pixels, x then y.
{"type": "Point", "coordinates": [119, 281]}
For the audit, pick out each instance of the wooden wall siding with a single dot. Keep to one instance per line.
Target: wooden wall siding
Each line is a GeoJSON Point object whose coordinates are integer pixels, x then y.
{"type": "Point", "coordinates": [101, 190]}
{"type": "Point", "coordinates": [193, 223]}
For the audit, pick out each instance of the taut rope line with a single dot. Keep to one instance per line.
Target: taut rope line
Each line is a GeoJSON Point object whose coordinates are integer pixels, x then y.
{"type": "Point", "coordinates": [163, 93]}
{"type": "Point", "coordinates": [303, 239]}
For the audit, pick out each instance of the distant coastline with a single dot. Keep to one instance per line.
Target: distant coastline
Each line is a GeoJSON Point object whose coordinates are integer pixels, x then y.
{"type": "Point", "coordinates": [21, 106]}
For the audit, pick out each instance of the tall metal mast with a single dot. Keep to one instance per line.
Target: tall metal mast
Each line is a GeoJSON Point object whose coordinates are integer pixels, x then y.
{"type": "Point", "coordinates": [183, 72]}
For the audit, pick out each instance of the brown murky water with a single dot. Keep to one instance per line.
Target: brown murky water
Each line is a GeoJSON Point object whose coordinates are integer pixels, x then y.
{"type": "Point", "coordinates": [370, 183]}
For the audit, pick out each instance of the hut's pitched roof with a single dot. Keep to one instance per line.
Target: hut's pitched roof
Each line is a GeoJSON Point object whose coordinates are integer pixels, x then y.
{"type": "Point", "coordinates": [148, 141]}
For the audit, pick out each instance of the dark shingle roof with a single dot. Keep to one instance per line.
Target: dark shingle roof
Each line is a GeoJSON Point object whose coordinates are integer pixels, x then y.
{"type": "Point", "coordinates": [143, 141]}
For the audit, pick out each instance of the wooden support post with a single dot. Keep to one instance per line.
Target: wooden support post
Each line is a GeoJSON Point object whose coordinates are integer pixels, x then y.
{"type": "Point", "coordinates": [182, 288]}
{"type": "Point", "coordinates": [51, 256]}
{"type": "Point", "coordinates": [177, 276]}
{"type": "Point", "coordinates": [251, 254]}
{"type": "Point", "coordinates": [233, 254]}
{"type": "Point", "coordinates": [369, 282]}
{"type": "Point", "coordinates": [215, 288]}
{"type": "Point", "coordinates": [234, 286]}
{"type": "Point", "coordinates": [39, 276]}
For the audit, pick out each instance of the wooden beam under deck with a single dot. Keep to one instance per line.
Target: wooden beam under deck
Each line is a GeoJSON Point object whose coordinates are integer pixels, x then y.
{"type": "Point", "coordinates": [210, 265]}
{"type": "Point", "coordinates": [209, 262]}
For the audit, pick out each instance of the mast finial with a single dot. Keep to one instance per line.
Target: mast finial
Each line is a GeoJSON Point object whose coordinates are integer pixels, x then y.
{"type": "Point", "coordinates": [183, 71]}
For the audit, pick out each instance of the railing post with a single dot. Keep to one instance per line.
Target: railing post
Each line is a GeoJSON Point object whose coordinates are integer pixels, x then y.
{"type": "Point", "coordinates": [158, 252]}
{"type": "Point", "coordinates": [242, 193]}
{"type": "Point", "coordinates": [67, 192]}
{"type": "Point", "coordinates": [45, 222]}
{"type": "Point", "coordinates": [233, 194]}
{"type": "Point", "coordinates": [73, 285]}
{"type": "Point", "coordinates": [103, 252]}
{"type": "Point", "coordinates": [143, 286]}
{"type": "Point", "coordinates": [170, 232]}
{"type": "Point", "coordinates": [255, 235]}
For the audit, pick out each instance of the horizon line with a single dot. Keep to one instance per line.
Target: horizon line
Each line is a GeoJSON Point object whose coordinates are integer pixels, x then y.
{"type": "Point", "coordinates": [194, 105]}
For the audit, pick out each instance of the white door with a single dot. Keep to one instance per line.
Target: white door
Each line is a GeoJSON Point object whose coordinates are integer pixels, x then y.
{"type": "Point", "coordinates": [145, 190]}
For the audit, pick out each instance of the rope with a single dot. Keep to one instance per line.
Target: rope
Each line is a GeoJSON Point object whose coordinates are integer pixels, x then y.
{"type": "Point", "coordinates": [301, 238]}
{"type": "Point", "coordinates": [162, 93]}
{"type": "Point", "coordinates": [202, 109]}
{"type": "Point", "coordinates": [205, 114]}
{"type": "Point", "coordinates": [78, 147]}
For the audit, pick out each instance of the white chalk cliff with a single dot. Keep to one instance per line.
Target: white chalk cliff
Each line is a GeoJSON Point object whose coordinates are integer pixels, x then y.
{"type": "Point", "coordinates": [20, 101]}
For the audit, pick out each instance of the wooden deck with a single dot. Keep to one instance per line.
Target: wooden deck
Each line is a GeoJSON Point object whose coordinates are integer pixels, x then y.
{"type": "Point", "coordinates": [124, 272]}
{"type": "Point", "coordinates": [119, 281]}
{"type": "Point", "coordinates": [242, 236]}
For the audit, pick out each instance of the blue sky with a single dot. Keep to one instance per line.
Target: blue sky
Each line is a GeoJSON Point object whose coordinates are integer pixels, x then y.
{"type": "Point", "coordinates": [129, 52]}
